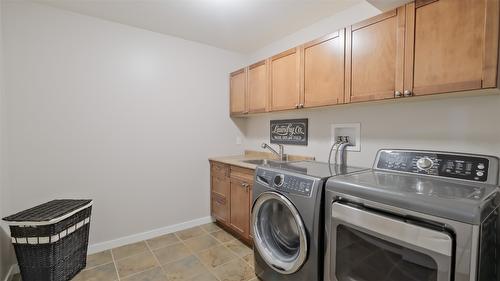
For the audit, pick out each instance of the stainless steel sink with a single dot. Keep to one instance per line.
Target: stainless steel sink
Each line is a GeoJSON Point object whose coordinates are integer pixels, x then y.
{"type": "Point", "coordinates": [258, 161]}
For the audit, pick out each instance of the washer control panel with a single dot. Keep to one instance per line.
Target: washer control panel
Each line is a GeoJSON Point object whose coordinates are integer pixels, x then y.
{"type": "Point", "coordinates": [286, 183]}
{"type": "Point", "coordinates": [458, 166]}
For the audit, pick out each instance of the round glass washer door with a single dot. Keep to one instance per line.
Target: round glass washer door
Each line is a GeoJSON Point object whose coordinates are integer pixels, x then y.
{"type": "Point", "coordinates": [279, 233]}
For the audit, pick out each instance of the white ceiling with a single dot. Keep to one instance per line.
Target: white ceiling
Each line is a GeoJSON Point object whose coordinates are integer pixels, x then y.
{"type": "Point", "coordinates": [237, 25]}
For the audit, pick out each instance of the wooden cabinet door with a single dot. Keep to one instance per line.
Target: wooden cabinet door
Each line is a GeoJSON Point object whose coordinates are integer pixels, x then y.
{"type": "Point", "coordinates": [258, 87]}
{"type": "Point", "coordinates": [239, 215]}
{"type": "Point", "coordinates": [285, 80]}
{"type": "Point", "coordinates": [324, 70]}
{"type": "Point", "coordinates": [375, 57]}
{"type": "Point", "coordinates": [238, 81]}
{"type": "Point", "coordinates": [454, 45]}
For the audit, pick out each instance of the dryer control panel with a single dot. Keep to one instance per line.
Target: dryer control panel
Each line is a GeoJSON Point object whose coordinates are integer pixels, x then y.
{"type": "Point", "coordinates": [286, 183]}
{"type": "Point", "coordinates": [476, 168]}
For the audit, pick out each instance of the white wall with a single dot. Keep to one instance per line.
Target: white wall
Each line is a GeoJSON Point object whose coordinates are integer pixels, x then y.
{"type": "Point", "coordinates": [328, 25]}
{"type": "Point", "coordinates": [6, 253]}
{"type": "Point", "coordinates": [467, 124]}
{"type": "Point", "coordinates": [124, 116]}
{"type": "Point", "coordinates": [462, 124]}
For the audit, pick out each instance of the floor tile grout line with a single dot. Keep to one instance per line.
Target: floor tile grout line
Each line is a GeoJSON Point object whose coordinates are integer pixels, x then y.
{"type": "Point", "coordinates": [238, 257]}
{"type": "Point", "coordinates": [131, 256]}
{"type": "Point", "coordinates": [196, 255]}
{"type": "Point", "coordinates": [211, 269]}
{"type": "Point", "coordinates": [198, 258]}
{"type": "Point", "coordinates": [180, 241]}
{"type": "Point", "coordinates": [222, 242]}
{"type": "Point", "coordinates": [102, 264]}
{"type": "Point", "coordinates": [151, 268]}
{"type": "Point", "coordinates": [156, 258]}
{"type": "Point", "coordinates": [115, 264]}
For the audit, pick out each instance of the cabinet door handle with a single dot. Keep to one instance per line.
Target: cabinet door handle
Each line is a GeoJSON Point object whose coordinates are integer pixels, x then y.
{"type": "Point", "coordinates": [397, 94]}
{"type": "Point", "coordinates": [246, 186]}
{"type": "Point", "coordinates": [301, 105]}
{"type": "Point", "coordinates": [297, 106]}
{"type": "Point", "coordinates": [408, 93]}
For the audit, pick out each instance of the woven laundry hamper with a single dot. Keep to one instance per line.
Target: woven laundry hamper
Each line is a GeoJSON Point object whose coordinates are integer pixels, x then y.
{"type": "Point", "coordinates": [51, 240]}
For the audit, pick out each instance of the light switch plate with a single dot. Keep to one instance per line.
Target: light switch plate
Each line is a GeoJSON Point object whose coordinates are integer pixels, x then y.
{"type": "Point", "coordinates": [352, 130]}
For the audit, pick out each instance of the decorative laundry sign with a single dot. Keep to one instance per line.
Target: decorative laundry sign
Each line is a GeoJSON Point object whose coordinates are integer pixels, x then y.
{"type": "Point", "coordinates": [291, 131]}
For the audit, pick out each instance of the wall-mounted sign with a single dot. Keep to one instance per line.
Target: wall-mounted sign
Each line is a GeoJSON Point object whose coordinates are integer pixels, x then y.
{"type": "Point", "coordinates": [293, 131]}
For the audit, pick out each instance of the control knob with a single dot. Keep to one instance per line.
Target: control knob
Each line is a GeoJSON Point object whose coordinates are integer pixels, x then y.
{"type": "Point", "coordinates": [278, 180]}
{"type": "Point", "coordinates": [425, 163]}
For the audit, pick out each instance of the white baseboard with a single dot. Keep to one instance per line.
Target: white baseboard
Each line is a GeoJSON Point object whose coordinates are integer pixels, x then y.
{"type": "Point", "coordinates": [99, 247]}
{"type": "Point", "coordinates": [13, 270]}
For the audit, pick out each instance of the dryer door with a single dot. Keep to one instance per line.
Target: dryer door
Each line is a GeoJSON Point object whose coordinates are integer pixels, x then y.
{"type": "Point", "coordinates": [279, 233]}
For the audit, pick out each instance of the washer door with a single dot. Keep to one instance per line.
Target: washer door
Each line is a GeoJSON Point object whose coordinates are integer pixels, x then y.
{"type": "Point", "coordinates": [279, 233]}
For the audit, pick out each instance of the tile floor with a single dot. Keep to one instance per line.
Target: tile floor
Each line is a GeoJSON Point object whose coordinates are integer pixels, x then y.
{"type": "Point", "coordinates": [204, 253]}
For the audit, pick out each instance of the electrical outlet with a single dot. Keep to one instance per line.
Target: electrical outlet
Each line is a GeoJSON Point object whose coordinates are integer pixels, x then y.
{"type": "Point", "coordinates": [352, 131]}
{"type": "Point", "coordinates": [238, 140]}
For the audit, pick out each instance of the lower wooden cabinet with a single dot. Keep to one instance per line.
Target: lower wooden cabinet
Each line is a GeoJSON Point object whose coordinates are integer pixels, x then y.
{"type": "Point", "coordinates": [231, 198]}
{"type": "Point", "coordinates": [219, 189]}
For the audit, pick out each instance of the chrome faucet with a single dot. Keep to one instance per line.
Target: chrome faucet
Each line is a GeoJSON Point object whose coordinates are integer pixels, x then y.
{"type": "Point", "coordinates": [281, 154]}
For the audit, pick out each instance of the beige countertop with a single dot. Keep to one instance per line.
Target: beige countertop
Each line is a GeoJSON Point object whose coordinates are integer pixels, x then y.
{"type": "Point", "coordinates": [237, 160]}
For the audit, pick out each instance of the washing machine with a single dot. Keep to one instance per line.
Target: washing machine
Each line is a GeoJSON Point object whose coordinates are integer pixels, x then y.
{"type": "Point", "coordinates": [287, 219]}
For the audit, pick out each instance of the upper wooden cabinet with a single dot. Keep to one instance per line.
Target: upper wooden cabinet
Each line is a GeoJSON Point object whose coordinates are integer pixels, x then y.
{"type": "Point", "coordinates": [258, 87]}
{"type": "Point", "coordinates": [453, 45]}
{"type": "Point", "coordinates": [375, 57]}
{"type": "Point", "coordinates": [324, 61]}
{"type": "Point", "coordinates": [285, 80]}
{"type": "Point", "coordinates": [425, 47]}
{"type": "Point", "coordinates": [238, 83]}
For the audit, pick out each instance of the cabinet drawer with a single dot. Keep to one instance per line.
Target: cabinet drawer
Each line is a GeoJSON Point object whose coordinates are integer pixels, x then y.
{"type": "Point", "coordinates": [242, 174]}
{"type": "Point", "coordinates": [219, 169]}
{"type": "Point", "coordinates": [220, 186]}
{"type": "Point", "coordinates": [219, 207]}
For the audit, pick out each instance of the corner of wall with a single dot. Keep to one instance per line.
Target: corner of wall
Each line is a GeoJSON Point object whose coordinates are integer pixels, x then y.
{"type": "Point", "coordinates": [7, 260]}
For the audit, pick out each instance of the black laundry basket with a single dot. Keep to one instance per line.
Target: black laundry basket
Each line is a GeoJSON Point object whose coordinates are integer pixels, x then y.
{"type": "Point", "coordinates": [51, 240]}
